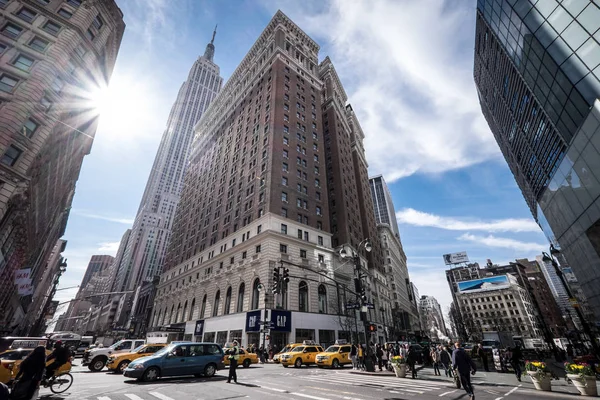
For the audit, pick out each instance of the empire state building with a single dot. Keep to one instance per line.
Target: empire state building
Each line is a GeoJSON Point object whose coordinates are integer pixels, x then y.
{"type": "Point", "coordinates": [145, 251]}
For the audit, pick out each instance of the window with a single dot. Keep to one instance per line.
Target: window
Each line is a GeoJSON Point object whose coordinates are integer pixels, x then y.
{"type": "Point", "coordinates": [38, 44]}
{"type": "Point", "coordinates": [322, 299]}
{"type": "Point", "coordinates": [244, 255]}
{"type": "Point", "coordinates": [306, 236]}
{"type": "Point", "coordinates": [258, 229]}
{"type": "Point", "coordinates": [203, 308]}
{"type": "Point", "coordinates": [285, 167]}
{"type": "Point", "coordinates": [303, 297]}
{"type": "Point", "coordinates": [11, 156]}
{"type": "Point", "coordinates": [321, 259]}
{"type": "Point", "coordinates": [255, 294]}
{"type": "Point", "coordinates": [23, 62]}
{"type": "Point", "coordinates": [257, 249]}
{"type": "Point", "coordinates": [285, 154]}
{"type": "Point", "coordinates": [302, 253]}
{"type": "Point", "coordinates": [12, 30]}
{"type": "Point", "coordinates": [90, 35]}
{"type": "Point", "coordinates": [299, 233]}
{"type": "Point", "coordinates": [64, 13]}
{"type": "Point", "coordinates": [45, 101]}
{"type": "Point", "coordinates": [216, 305]}
{"type": "Point", "coordinates": [45, 2]}
{"type": "Point", "coordinates": [284, 197]}
{"type": "Point", "coordinates": [318, 210]}
{"type": "Point", "coordinates": [29, 127]}
{"type": "Point", "coordinates": [284, 229]}
{"type": "Point", "coordinates": [26, 14]}
{"type": "Point", "coordinates": [227, 301]}
{"type": "Point", "coordinates": [282, 248]}
{"type": "Point", "coordinates": [320, 240]}
{"type": "Point", "coordinates": [2, 47]}
{"type": "Point", "coordinates": [284, 212]}
{"type": "Point", "coordinates": [284, 181]}
{"type": "Point", "coordinates": [80, 50]}
{"type": "Point", "coordinates": [52, 28]}
{"type": "Point", "coordinates": [317, 182]}
{"type": "Point", "coordinates": [97, 22]}
{"type": "Point", "coordinates": [7, 83]}
{"type": "Point", "coordinates": [240, 298]}
{"type": "Point", "coordinates": [74, 3]}
{"type": "Point", "coordinates": [286, 141]}
{"type": "Point", "coordinates": [318, 195]}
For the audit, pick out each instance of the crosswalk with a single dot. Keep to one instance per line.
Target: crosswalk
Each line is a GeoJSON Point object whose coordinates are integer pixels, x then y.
{"type": "Point", "coordinates": [130, 396]}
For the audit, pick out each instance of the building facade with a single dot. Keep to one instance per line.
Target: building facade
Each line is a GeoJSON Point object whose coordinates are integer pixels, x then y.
{"type": "Point", "coordinates": [384, 205]}
{"type": "Point", "coordinates": [534, 72]}
{"type": "Point", "coordinates": [144, 254]}
{"type": "Point", "coordinates": [257, 196]}
{"type": "Point", "coordinates": [50, 53]}
{"type": "Point", "coordinates": [432, 317]}
{"type": "Point", "coordinates": [99, 264]}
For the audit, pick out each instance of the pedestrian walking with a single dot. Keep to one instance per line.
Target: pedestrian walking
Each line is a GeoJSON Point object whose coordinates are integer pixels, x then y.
{"type": "Point", "coordinates": [435, 360]}
{"type": "Point", "coordinates": [515, 361]}
{"type": "Point", "coordinates": [30, 375]}
{"type": "Point", "coordinates": [379, 355]}
{"type": "Point", "coordinates": [484, 357]}
{"type": "Point", "coordinates": [446, 360]}
{"type": "Point", "coordinates": [465, 366]}
{"type": "Point", "coordinates": [353, 356]}
{"type": "Point", "coordinates": [4, 395]}
{"type": "Point", "coordinates": [233, 362]}
{"type": "Point", "coordinates": [411, 360]}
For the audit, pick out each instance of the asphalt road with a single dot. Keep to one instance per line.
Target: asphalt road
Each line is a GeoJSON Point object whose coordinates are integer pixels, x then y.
{"type": "Point", "coordinates": [307, 383]}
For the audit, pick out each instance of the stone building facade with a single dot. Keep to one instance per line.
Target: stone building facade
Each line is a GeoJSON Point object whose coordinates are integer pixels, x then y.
{"type": "Point", "coordinates": [52, 55]}
{"type": "Point", "coordinates": [256, 197]}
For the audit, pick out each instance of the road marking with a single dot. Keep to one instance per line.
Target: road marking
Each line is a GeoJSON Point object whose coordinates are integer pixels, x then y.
{"type": "Point", "coordinates": [308, 396]}
{"type": "Point", "coordinates": [443, 394]}
{"type": "Point", "coordinates": [103, 398]}
{"type": "Point", "coordinates": [160, 396]}
{"type": "Point", "coordinates": [132, 396]}
{"type": "Point", "coordinates": [512, 390]}
{"type": "Point", "coordinates": [275, 389]}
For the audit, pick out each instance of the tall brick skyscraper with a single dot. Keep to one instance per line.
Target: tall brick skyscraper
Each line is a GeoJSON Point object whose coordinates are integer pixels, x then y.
{"type": "Point", "coordinates": [256, 196]}
{"type": "Point", "coordinates": [50, 54]}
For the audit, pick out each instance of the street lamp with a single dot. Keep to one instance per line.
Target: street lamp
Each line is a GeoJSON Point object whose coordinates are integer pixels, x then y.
{"type": "Point", "coordinates": [586, 328]}
{"type": "Point", "coordinates": [348, 252]}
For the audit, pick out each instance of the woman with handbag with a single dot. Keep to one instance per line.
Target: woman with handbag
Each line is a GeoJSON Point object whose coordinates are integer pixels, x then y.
{"type": "Point", "coordinates": [31, 372]}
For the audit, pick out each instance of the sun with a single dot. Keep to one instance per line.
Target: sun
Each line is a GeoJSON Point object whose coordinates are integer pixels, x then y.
{"type": "Point", "coordinates": [100, 100]}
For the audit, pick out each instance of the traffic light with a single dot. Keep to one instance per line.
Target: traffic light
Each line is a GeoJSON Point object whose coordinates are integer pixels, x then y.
{"type": "Point", "coordinates": [286, 275]}
{"type": "Point", "coordinates": [372, 328]}
{"type": "Point", "coordinates": [276, 280]}
{"type": "Point", "coordinates": [357, 285]}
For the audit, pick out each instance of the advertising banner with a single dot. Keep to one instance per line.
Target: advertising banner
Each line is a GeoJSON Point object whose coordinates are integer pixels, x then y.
{"type": "Point", "coordinates": [456, 258]}
{"type": "Point", "coordinates": [253, 321]}
{"type": "Point", "coordinates": [281, 321]}
{"type": "Point", "coordinates": [23, 276]}
{"type": "Point", "coordinates": [25, 288]}
{"type": "Point", "coordinates": [484, 284]}
{"type": "Point", "coordinates": [199, 329]}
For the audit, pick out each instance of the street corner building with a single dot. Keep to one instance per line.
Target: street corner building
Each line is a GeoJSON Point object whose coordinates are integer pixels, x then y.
{"type": "Point", "coordinates": [538, 81]}
{"type": "Point", "coordinates": [277, 178]}
{"type": "Point", "coordinates": [52, 55]}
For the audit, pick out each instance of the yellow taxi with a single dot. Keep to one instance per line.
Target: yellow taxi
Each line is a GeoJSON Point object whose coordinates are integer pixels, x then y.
{"type": "Point", "coordinates": [118, 362]}
{"type": "Point", "coordinates": [11, 359]}
{"type": "Point", "coordinates": [305, 354]}
{"type": "Point", "coordinates": [336, 356]}
{"type": "Point", "coordinates": [286, 349]}
{"type": "Point", "coordinates": [245, 358]}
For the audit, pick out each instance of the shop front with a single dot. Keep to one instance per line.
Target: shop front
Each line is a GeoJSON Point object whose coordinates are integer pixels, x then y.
{"type": "Point", "coordinates": [253, 328]}
{"type": "Point", "coordinates": [281, 326]}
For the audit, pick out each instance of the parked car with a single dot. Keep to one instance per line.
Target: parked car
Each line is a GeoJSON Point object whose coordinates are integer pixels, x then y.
{"type": "Point", "coordinates": [97, 358]}
{"type": "Point", "coordinates": [118, 362]}
{"type": "Point", "coordinates": [178, 359]}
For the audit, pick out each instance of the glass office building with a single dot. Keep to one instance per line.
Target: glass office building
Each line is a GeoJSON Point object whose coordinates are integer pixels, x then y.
{"type": "Point", "coordinates": [537, 72]}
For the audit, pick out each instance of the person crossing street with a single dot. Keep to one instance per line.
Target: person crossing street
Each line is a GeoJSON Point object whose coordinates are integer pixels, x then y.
{"type": "Point", "coordinates": [233, 361]}
{"type": "Point", "coordinates": [465, 366]}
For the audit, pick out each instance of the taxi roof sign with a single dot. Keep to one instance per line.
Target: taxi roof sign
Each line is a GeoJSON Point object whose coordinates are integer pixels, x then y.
{"type": "Point", "coordinates": [341, 341]}
{"type": "Point", "coordinates": [28, 343]}
{"type": "Point", "coordinates": [307, 342]}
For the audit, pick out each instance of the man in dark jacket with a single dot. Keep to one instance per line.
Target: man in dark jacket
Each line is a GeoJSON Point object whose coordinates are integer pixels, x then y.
{"type": "Point", "coordinates": [465, 366]}
{"type": "Point", "coordinates": [411, 360]}
{"type": "Point", "coordinates": [60, 355]}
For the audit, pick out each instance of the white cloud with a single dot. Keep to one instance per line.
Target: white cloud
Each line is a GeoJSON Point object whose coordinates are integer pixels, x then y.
{"type": "Point", "coordinates": [506, 243]}
{"type": "Point", "coordinates": [408, 69]}
{"type": "Point", "coordinates": [111, 247]}
{"type": "Point", "coordinates": [418, 218]}
{"type": "Point", "coordinates": [127, 221]}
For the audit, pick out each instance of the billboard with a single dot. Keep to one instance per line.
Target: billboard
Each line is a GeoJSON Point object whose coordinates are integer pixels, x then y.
{"type": "Point", "coordinates": [483, 284]}
{"type": "Point", "coordinates": [456, 258]}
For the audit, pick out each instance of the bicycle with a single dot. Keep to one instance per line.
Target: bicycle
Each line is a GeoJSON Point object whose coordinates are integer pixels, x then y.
{"type": "Point", "coordinates": [59, 383]}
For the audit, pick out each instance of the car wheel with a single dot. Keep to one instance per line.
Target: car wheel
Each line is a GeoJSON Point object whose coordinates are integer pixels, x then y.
{"type": "Point", "coordinates": [97, 364]}
{"type": "Point", "coordinates": [209, 370]}
{"type": "Point", "coordinates": [122, 366]}
{"type": "Point", "coordinates": [151, 374]}
{"type": "Point", "coordinates": [298, 363]}
{"type": "Point", "coordinates": [246, 363]}
{"type": "Point", "coordinates": [285, 366]}
{"type": "Point", "coordinates": [335, 363]}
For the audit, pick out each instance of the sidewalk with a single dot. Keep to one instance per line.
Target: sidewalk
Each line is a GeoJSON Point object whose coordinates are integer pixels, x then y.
{"type": "Point", "coordinates": [487, 380]}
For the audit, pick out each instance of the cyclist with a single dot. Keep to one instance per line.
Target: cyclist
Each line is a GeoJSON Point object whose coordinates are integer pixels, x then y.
{"type": "Point", "coordinates": [60, 355]}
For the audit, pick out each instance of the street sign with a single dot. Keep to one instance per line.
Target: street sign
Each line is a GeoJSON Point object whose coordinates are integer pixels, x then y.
{"type": "Point", "coordinates": [352, 306]}
{"type": "Point", "coordinates": [370, 305]}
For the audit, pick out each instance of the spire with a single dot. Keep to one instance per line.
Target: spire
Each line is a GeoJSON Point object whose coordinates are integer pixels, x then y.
{"type": "Point", "coordinates": [209, 53]}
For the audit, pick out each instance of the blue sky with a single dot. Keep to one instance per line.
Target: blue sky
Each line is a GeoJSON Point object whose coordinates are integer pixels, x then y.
{"type": "Point", "coordinates": [407, 69]}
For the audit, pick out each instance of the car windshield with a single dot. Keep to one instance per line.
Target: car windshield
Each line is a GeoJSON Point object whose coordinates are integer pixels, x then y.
{"type": "Point", "coordinates": [14, 355]}
{"type": "Point", "coordinates": [114, 346]}
{"type": "Point", "coordinates": [137, 349]}
{"type": "Point", "coordinates": [164, 350]}
{"type": "Point", "coordinates": [285, 349]}
{"type": "Point", "coordinates": [332, 349]}
{"type": "Point", "coordinates": [297, 349]}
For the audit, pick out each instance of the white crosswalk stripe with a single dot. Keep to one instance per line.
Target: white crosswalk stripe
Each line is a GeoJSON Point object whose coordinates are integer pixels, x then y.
{"type": "Point", "coordinates": [130, 396]}
{"type": "Point", "coordinates": [391, 383]}
{"type": "Point", "coordinates": [160, 396]}
{"type": "Point", "coordinates": [133, 396]}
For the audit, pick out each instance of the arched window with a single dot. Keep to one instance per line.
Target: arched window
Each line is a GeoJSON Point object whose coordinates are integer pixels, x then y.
{"type": "Point", "coordinates": [255, 294]}
{"type": "Point", "coordinates": [303, 297]}
{"type": "Point", "coordinates": [184, 313]}
{"type": "Point", "coordinates": [216, 305]}
{"type": "Point", "coordinates": [156, 317]}
{"type": "Point", "coordinates": [164, 316]}
{"type": "Point", "coordinates": [171, 315]}
{"type": "Point", "coordinates": [240, 299]}
{"type": "Point", "coordinates": [192, 309]}
{"type": "Point", "coordinates": [178, 314]}
{"type": "Point", "coordinates": [227, 301]}
{"type": "Point", "coordinates": [203, 309]}
{"type": "Point", "coordinates": [322, 299]}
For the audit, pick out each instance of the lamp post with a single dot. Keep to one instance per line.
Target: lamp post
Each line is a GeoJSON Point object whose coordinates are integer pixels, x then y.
{"type": "Point", "coordinates": [586, 328]}
{"type": "Point", "coordinates": [348, 252]}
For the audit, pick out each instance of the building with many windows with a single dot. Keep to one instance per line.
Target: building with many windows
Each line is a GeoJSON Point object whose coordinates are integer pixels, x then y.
{"type": "Point", "coordinates": [258, 194]}
{"type": "Point", "coordinates": [432, 317]}
{"type": "Point", "coordinates": [52, 55]}
{"type": "Point", "coordinates": [536, 72]}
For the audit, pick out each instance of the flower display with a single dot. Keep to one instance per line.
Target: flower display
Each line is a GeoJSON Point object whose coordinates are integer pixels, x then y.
{"type": "Point", "coordinates": [398, 360]}
{"type": "Point", "coordinates": [536, 366]}
{"type": "Point", "coordinates": [581, 369]}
